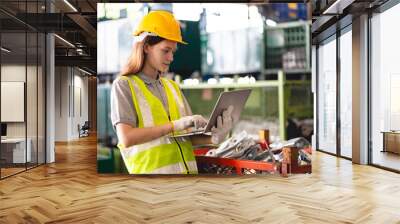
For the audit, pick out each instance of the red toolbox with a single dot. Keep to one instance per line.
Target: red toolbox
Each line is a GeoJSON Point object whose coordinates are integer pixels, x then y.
{"type": "Point", "coordinates": [239, 165]}
{"type": "Point", "coordinates": [288, 165]}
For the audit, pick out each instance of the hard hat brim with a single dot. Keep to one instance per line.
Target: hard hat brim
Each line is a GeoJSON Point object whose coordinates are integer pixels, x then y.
{"type": "Point", "coordinates": [178, 41]}
{"type": "Point", "coordinates": [137, 33]}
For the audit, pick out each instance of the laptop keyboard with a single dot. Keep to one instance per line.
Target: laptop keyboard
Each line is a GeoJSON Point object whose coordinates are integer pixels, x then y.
{"type": "Point", "coordinates": [194, 130]}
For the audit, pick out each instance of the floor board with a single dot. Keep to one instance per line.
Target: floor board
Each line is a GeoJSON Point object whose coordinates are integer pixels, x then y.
{"type": "Point", "coordinates": [71, 191]}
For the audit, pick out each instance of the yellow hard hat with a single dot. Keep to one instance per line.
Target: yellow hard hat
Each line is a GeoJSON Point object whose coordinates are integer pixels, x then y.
{"type": "Point", "coordinates": [162, 24]}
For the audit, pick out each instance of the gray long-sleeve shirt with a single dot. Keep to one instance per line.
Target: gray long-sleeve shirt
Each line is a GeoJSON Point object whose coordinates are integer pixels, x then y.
{"type": "Point", "coordinates": [122, 108]}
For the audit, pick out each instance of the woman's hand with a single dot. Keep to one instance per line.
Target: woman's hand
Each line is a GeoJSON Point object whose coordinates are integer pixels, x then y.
{"type": "Point", "coordinates": [129, 136]}
{"type": "Point", "coordinates": [184, 123]}
{"type": "Point", "coordinates": [224, 125]}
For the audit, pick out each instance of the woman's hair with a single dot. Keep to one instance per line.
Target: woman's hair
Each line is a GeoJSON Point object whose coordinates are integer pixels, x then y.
{"type": "Point", "coordinates": [137, 58]}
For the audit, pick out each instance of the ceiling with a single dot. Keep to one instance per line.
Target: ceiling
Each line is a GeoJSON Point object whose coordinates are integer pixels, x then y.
{"type": "Point", "coordinates": [75, 23]}
{"type": "Point", "coordinates": [327, 18]}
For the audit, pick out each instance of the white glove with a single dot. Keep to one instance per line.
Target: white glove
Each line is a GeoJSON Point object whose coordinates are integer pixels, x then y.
{"type": "Point", "coordinates": [184, 123]}
{"type": "Point", "coordinates": [224, 125]}
{"type": "Point", "coordinates": [199, 121]}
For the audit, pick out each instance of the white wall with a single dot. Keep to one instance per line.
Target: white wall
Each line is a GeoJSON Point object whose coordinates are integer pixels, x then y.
{"type": "Point", "coordinates": [71, 94]}
{"type": "Point", "coordinates": [12, 73]}
{"type": "Point", "coordinates": [61, 103]}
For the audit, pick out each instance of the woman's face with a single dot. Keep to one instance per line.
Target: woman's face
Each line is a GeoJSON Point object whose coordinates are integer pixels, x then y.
{"type": "Point", "coordinates": [161, 55]}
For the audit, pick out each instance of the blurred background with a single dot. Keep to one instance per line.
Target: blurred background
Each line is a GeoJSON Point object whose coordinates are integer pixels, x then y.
{"type": "Point", "coordinates": [265, 47]}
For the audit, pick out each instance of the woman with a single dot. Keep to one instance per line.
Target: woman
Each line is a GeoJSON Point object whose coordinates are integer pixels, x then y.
{"type": "Point", "coordinates": [147, 109]}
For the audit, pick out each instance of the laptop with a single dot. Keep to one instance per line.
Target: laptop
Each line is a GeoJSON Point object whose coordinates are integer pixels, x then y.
{"type": "Point", "coordinates": [236, 98]}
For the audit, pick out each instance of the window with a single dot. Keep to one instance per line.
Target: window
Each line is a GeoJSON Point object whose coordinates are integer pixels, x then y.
{"type": "Point", "coordinates": [385, 87]}
{"type": "Point", "coordinates": [327, 95]}
{"type": "Point", "coordinates": [22, 76]}
{"type": "Point", "coordinates": [346, 93]}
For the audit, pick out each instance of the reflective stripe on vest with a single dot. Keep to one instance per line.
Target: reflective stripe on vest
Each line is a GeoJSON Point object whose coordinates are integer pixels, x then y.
{"type": "Point", "coordinates": [173, 95]}
{"type": "Point", "coordinates": [162, 155]}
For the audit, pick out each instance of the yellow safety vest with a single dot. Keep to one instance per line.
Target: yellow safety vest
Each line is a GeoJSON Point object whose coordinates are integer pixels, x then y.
{"type": "Point", "coordinates": [165, 155]}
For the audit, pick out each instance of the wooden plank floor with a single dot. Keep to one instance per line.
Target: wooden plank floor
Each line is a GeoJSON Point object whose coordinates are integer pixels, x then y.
{"type": "Point", "coordinates": [386, 159]}
{"type": "Point", "coordinates": [10, 171]}
{"type": "Point", "coordinates": [70, 191]}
